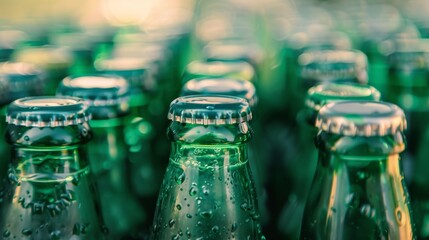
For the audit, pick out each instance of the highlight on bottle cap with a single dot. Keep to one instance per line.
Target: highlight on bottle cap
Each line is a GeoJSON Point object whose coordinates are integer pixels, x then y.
{"type": "Point", "coordinates": [238, 70]}
{"type": "Point", "coordinates": [47, 111]}
{"type": "Point", "coordinates": [361, 118]}
{"type": "Point", "coordinates": [210, 110]}
{"type": "Point", "coordinates": [320, 95]}
{"type": "Point", "coordinates": [221, 86]}
{"type": "Point", "coordinates": [97, 90]}
{"type": "Point", "coordinates": [334, 66]}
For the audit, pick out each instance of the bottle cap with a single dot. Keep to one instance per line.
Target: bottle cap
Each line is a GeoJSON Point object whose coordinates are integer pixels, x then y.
{"type": "Point", "coordinates": [334, 66]}
{"type": "Point", "coordinates": [21, 80]}
{"type": "Point", "coordinates": [47, 111]}
{"type": "Point", "coordinates": [361, 118]}
{"type": "Point", "coordinates": [320, 95]}
{"type": "Point", "coordinates": [210, 110]}
{"type": "Point", "coordinates": [106, 95]}
{"type": "Point", "coordinates": [406, 53]}
{"type": "Point", "coordinates": [231, 51]}
{"type": "Point", "coordinates": [137, 71]}
{"type": "Point", "coordinates": [221, 86]}
{"type": "Point", "coordinates": [238, 70]}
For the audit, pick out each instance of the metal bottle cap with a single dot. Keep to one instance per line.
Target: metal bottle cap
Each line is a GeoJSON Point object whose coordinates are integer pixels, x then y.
{"type": "Point", "coordinates": [334, 66]}
{"type": "Point", "coordinates": [210, 110]}
{"type": "Point", "coordinates": [230, 51]}
{"type": "Point", "coordinates": [221, 86]}
{"type": "Point", "coordinates": [99, 91]}
{"type": "Point", "coordinates": [361, 118]}
{"type": "Point", "coordinates": [20, 80]}
{"type": "Point", "coordinates": [320, 95]}
{"type": "Point", "coordinates": [137, 71]}
{"type": "Point", "coordinates": [47, 111]}
{"type": "Point", "coordinates": [406, 53]}
{"type": "Point", "coordinates": [238, 70]}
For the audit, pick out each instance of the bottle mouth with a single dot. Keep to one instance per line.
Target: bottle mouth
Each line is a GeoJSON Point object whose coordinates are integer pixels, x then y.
{"type": "Point", "coordinates": [210, 110]}
{"type": "Point", "coordinates": [47, 111]}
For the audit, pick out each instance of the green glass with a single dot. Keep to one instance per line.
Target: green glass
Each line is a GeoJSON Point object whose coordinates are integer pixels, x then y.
{"type": "Point", "coordinates": [49, 194]}
{"type": "Point", "coordinates": [9, 41]}
{"type": "Point", "coordinates": [17, 80]}
{"type": "Point", "coordinates": [299, 171]}
{"type": "Point", "coordinates": [358, 191]}
{"type": "Point", "coordinates": [147, 145]}
{"type": "Point", "coordinates": [107, 97]}
{"type": "Point", "coordinates": [246, 90]}
{"type": "Point", "coordinates": [408, 87]}
{"type": "Point", "coordinates": [236, 70]}
{"type": "Point", "coordinates": [208, 189]}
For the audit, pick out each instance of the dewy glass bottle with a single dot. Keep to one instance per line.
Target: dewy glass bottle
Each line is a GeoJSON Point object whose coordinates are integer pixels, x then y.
{"type": "Point", "coordinates": [408, 87]}
{"type": "Point", "coordinates": [208, 189]}
{"type": "Point", "coordinates": [246, 90]}
{"type": "Point", "coordinates": [358, 191]}
{"type": "Point", "coordinates": [107, 97]}
{"type": "Point", "coordinates": [299, 174]}
{"type": "Point", "coordinates": [49, 194]}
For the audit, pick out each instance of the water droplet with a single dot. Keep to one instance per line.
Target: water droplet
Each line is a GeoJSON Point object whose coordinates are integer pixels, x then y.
{"type": "Point", "coordinates": [362, 174]}
{"type": "Point", "coordinates": [27, 138]}
{"type": "Point", "coordinates": [27, 231]}
{"type": "Point", "coordinates": [210, 107]}
{"type": "Point", "coordinates": [207, 214]}
{"type": "Point", "coordinates": [333, 209]}
{"type": "Point", "coordinates": [188, 215]}
{"type": "Point", "coordinates": [179, 207]}
{"type": "Point", "coordinates": [399, 217]}
{"type": "Point", "coordinates": [206, 191]}
{"type": "Point", "coordinates": [171, 223]}
{"type": "Point", "coordinates": [188, 233]}
{"type": "Point", "coordinates": [6, 233]}
{"type": "Point", "coordinates": [179, 176]}
{"type": "Point", "coordinates": [215, 229]}
{"type": "Point", "coordinates": [193, 191]}
{"type": "Point", "coordinates": [55, 235]}
{"type": "Point", "coordinates": [367, 211]}
{"type": "Point", "coordinates": [175, 237]}
{"type": "Point", "coordinates": [234, 227]}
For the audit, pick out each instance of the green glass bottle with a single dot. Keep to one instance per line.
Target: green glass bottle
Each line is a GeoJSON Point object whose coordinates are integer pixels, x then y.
{"type": "Point", "coordinates": [107, 97]}
{"type": "Point", "coordinates": [358, 191]}
{"type": "Point", "coordinates": [299, 171]}
{"type": "Point", "coordinates": [408, 88]}
{"type": "Point", "coordinates": [17, 80]}
{"type": "Point", "coordinates": [147, 144]}
{"type": "Point", "coordinates": [236, 70]}
{"type": "Point", "coordinates": [208, 189]}
{"type": "Point", "coordinates": [49, 194]}
{"type": "Point", "coordinates": [54, 61]}
{"type": "Point", "coordinates": [246, 90]}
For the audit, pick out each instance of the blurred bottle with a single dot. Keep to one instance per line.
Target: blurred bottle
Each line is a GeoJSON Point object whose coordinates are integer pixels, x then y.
{"type": "Point", "coordinates": [17, 80]}
{"type": "Point", "coordinates": [49, 194]}
{"type": "Point", "coordinates": [54, 61]}
{"type": "Point", "coordinates": [358, 190]}
{"type": "Point", "coordinates": [107, 97]}
{"type": "Point", "coordinates": [236, 70]}
{"type": "Point", "coordinates": [302, 165]}
{"type": "Point", "coordinates": [145, 138]}
{"type": "Point", "coordinates": [408, 87]}
{"type": "Point", "coordinates": [208, 188]}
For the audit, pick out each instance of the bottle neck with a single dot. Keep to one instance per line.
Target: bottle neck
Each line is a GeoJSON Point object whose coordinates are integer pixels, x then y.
{"type": "Point", "coordinates": [209, 145]}
{"type": "Point", "coordinates": [60, 164]}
